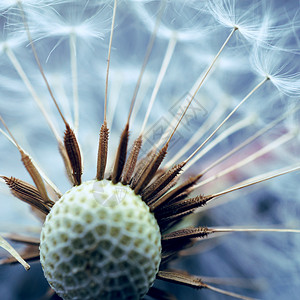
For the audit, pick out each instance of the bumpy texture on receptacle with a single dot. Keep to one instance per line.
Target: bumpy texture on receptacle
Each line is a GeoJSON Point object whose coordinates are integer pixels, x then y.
{"type": "Point", "coordinates": [100, 241]}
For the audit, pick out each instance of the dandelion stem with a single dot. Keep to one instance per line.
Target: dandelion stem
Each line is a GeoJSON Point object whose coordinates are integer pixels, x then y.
{"type": "Point", "coordinates": [276, 143]}
{"type": "Point", "coordinates": [226, 119]}
{"type": "Point", "coordinates": [44, 176]}
{"type": "Point", "coordinates": [202, 232]}
{"type": "Point", "coordinates": [216, 230]}
{"type": "Point", "coordinates": [230, 294]}
{"type": "Point", "coordinates": [38, 61]}
{"type": "Point", "coordinates": [4, 244]}
{"type": "Point", "coordinates": [249, 140]}
{"type": "Point", "coordinates": [122, 149]}
{"type": "Point", "coordinates": [108, 57]}
{"type": "Point", "coordinates": [38, 101]}
{"type": "Point", "coordinates": [10, 134]}
{"type": "Point", "coordinates": [16, 64]}
{"type": "Point", "coordinates": [20, 238]}
{"type": "Point", "coordinates": [253, 284]}
{"type": "Point", "coordinates": [104, 132]}
{"type": "Point", "coordinates": [147, 56]}
{"type": "Point", "coordinates": [114, 96]}
{"type": "Point", "coordinates": [8, 137]}
{"type": "Point", "coordinates": [30, 167]}
{"type": "Point", "coordinates": [143, 94]}
{"type": "Point", "coordinates": [199, 86]}
{"type": "Point", "coordinates": [160, 77]}
{"type": "Point", "coordinates": [73, 58]}
{"type": "Point", "coordinates": [208, 123]}
{"type": "Point", "coordinates": [257, 179]}
{"type": "Point", "coordinates": [213, 62]}
{"type": "Point", "coordinates": [231, 130]}
{"type": "Point", "coordinates": [70, 141]}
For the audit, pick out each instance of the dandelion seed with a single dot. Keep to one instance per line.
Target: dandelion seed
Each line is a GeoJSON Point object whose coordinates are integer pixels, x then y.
{"type": "Point", "coordinates": [279, 67]}
{"type": "Point", "coordinates": [247, 19]}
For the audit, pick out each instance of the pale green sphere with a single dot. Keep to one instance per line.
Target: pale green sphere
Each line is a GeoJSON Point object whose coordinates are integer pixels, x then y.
{"type": "Point", "coordinates": [100, 241]}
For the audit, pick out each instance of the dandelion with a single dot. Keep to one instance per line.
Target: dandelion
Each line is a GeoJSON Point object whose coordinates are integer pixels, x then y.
{"type": "Point", "coordinates": [165, 164]}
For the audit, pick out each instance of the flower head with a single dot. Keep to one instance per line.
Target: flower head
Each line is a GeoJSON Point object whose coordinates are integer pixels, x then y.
{"type": "Point", "coordinates": [197, 128]}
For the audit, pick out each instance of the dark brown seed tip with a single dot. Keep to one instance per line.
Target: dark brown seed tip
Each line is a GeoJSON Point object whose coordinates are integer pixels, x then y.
{"type": "Point", "coordinates": [150, 170]}
{"type": "Point", "coordinates": [102, 151]}
{"type": "Point", "coordinates": [121, 155]}
{"type": "Point", "coordinates": [27, 193]}
{"type": "Point", "coordinates": [132, 160]}
{"type": "Point", "coordinates": [73, 152]}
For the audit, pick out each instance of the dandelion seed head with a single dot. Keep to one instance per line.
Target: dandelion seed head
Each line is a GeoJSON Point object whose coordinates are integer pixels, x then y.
{"type": "Point", "coordinates": [279, 67]}
{"type": "Point", "coordinates": [244, 16]}
{"type": "Point", "coordinates": [112, 226]}
{"type": "Point", "coordinates": [64, 32]}
{"type": "Point", "coordinates": [86, 23]}
{"type": "Point", "coordinates": [10, 39]}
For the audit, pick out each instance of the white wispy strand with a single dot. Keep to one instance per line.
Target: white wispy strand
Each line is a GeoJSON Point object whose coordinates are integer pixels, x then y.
{"type": "Point", "coordinates": [8, 37]}
{"type": "Point", "coordinates": [279, 67]}
{"type": "Point", "coordinates": [11, 42]}
{"type": "Point", "coordinates": [160, 77]}
{"type": "Point", "coordinates": [85, 24]}
{"type": "Point", "coordinates": [9, 4]}
{"type": "Point", "coordinates": [224, 135]}
{"type": "Point", "coordinates": [186, 18]}
{"type": "Point", "coordinates": [246, 16]}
